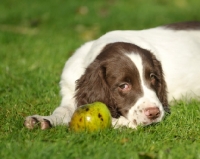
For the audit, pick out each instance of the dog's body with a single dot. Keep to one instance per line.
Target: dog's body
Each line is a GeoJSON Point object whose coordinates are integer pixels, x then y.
{"type": "Point", "coordinates": [165, 59]}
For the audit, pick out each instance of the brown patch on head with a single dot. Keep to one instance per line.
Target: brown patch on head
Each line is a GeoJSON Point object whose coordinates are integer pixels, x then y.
{"type": "Point", "coordinates": [184, 26]}
{"type": "Point", "coordinates": [121, 75]}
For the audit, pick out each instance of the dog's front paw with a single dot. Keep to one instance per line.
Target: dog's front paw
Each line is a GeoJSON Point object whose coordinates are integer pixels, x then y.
{"type": "Point", "coordinates": [123, 122]}
{"type": "Point", "coordinates": [32, 122]}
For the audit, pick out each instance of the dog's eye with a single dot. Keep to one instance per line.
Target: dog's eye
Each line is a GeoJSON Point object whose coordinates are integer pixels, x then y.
{"type": "Point", "coordinates": [125, 87]}
{"type": "Point", "coordinates": [153, 78]}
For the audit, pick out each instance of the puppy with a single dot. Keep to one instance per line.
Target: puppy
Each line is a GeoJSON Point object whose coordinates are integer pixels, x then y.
{"type": "Point", "coordinates": [135, 73]}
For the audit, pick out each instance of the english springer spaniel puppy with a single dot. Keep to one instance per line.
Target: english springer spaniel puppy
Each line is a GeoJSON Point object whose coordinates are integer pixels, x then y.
{"type": "Point", "coordinates": [135, 73]}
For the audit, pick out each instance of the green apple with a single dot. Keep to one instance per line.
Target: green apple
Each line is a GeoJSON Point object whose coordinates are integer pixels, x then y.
{"type": "Point", "coordinates": [91, 117]}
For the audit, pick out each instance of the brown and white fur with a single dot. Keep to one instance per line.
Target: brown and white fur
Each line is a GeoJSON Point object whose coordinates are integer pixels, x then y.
{"type": "Point", "coordinates": [135, 73]}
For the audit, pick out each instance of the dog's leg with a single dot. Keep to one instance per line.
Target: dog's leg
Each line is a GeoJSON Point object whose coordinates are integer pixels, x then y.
{"type": "Point", "coordinates": [61, 116]}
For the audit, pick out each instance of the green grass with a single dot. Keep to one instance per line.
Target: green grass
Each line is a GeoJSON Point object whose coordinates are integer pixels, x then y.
{"type": "Point", "coordinates": [37, 37]}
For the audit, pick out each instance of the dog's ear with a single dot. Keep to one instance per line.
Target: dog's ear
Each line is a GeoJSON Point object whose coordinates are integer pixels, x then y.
{"type": "Point", "coordinates": [162, 95]}
{"type": "Point", "coordinates": [162, 87]}
{"type": "Point", "coordinates": [92, 87]}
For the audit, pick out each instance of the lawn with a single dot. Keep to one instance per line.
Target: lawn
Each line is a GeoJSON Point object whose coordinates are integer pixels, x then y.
{"type": "Point", "coordinates": [37, 37]}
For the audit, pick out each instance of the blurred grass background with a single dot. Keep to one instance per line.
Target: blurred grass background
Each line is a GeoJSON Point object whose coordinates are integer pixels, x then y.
{"type": "Point", "coordinates": [37, 37]}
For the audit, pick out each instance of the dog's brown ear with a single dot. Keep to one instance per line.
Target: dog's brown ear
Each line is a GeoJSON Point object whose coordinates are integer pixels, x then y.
{"type": "Point", "coordinates": [92, 87]}
{"type": "Point", "coordinates": [162, 87]}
